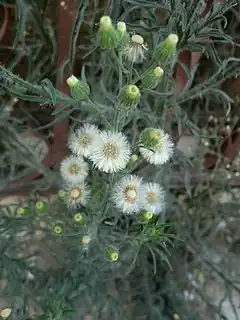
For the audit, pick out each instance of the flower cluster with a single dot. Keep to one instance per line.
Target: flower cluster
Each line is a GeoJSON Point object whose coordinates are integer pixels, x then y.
{"type": "Point", "coordinates": [110, 152]}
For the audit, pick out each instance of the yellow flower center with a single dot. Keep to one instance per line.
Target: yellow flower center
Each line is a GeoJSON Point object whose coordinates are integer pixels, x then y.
{"type": "Point", "coordinates": [75, 193]}
{"type": "Point", "coordinates": [85, 140]}
{"type": "Point", "coordinates": [152, 197]}
{"type": "Point", "coordinates": [74, 169]}
{"type": "Point", "coordinates": [110, 150]}
{"type": "Point", "coordinates": [130, 194]}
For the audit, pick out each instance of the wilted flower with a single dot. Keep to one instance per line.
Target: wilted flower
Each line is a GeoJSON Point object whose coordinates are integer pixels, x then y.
{"type": "Point", "coordinates": [135, 49]}
{"type": "Point", "coordinates": [81, 141]}
{"type": "Point", "coordinates": [155, 146]}
{"type": "Point", "coordinates": [111, 152]}
{"type": "Point", "coordinates": [153, 198]}
{"type": "Point", "coordinates": [73, 169]}
{"type": "Point", "coordinates": [127, 194]}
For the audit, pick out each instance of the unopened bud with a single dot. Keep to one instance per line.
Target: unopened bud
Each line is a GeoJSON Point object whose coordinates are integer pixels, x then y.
{"type": "Point", "coordinates": [146, 216]}
{"type": "Point", "coordinates": [79, 89]}
{"type": "Point", "coordinates": [58, 229]}
{"type": "Point", "coordinates": [5, 313]}
{"type": "Point", "coordinates": [167, 48]}
{"type": "Point", "coordinates": [108, 35]}
{"type": "Point", "coordinates": [79, 218]}
{"type": "Point", "coordinates": [22, 211]}
{"type": "Point", "coordinates": [41, 206]}
{"type": "Point", "coordinates": [112, 254]}
{"type": "Point", "coordinates": [86, 239]}
{"type": "Point", "coordinates": [61, 194]}
{"type": "Point", "coordinates": [153, 78]}
{"type": "Point", "coordinates": [150, 138]}
{"type": "Point", "coordinates": [130, 97]}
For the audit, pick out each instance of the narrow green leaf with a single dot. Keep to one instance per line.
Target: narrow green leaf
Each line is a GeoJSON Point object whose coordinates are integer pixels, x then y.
{"type": "Point", "coordinates": [20, 15]}
{"type": "Point", "coordinates": [60, 109]}
{"type": "Point", "coordinates": [49, 88]}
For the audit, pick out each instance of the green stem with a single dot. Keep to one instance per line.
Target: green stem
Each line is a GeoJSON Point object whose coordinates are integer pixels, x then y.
{"type": "Point", "coordinates": [120, 56]}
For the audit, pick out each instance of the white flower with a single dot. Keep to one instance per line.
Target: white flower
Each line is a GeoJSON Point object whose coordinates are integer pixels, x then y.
{"type": "Point", "coordinates": [127, 194]}
{"type": "Point", "coordinates": [153, 198]}
{"type": "Point", "coordinates": [111, 152]}
{"type": "Point", "coordinates": [77, 195]}
{"type": "Point", "coordinates": [81, 141]}
{"type": "Point", "coordinates": [73, 169]}
{"type": "Point", "coordinates": [161, 152]}
{"type": "Point", "coordinates": [135, 49]}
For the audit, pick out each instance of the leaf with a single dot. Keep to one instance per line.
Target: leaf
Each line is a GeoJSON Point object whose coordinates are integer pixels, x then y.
{"type": "Point", "coordinates": [20, 8]}
{"type": "Point", "coordinates": [60, 109]}
{"type": "Point", "coordinates": [49, 88]}
{"type": "Point", "coordinates": [83, 74]}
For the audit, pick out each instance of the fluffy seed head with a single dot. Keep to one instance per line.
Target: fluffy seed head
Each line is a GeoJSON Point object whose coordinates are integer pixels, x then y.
{"type": "Point", "coordinates": [153, 198]}
{"type": "Point", "coordinates": [126, 194]}
{"type": "Point", "coordinates": [110, 152]}
{"type": "Point", "coordinates": [73, 169]}
{"type": "Point", "coordinates": [135, 50]}
{"type": "Point", "coordinates": [81, 141]}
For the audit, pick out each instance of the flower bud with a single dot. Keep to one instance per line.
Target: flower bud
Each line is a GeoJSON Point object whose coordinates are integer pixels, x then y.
{"type": "Point", "coordinates": [146, 216]}
{"type": "Point", "coordinates": [22, 212]}
{"type": "Point", "coordinates": [133, 158]}
{"type": "Point", "coordinates": [79, 89]}
{"type": "Point", "coordinates": [150, 138]}
{"type": "Point", "coordinates": [167, 48]}
{"type": "Point", "coordinates": [86, 239]}
{"type": "Point", "coordinates": [41, 206]}
{"type": "Point", "coordinates": [79, 218]}
{"type": "Point", "coordinates": [123, 35]}
{"type": "Point", "coordinates": [130, 97]}
{"type": "Point", "coordinates": [111, 253]}
{"type": "Point", "coordinates": [58, 229]}
{"type": "Point", "coordinates": [61, 194]}
{"type": "Point", "coordinates": [153, 78]}
{"type": "Point", "coordinates": [5, 313]}
{"type": "Point", "coordinates": [108, 35]}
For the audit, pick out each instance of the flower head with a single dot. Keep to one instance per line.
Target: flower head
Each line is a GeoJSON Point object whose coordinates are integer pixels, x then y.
{"type": "Point", "coordinates": [77, 195]}
{"type": "Point", "coordinates": [108, 35]}
{"type": "Point", "coordinates": [156, 146]}
{"type": "Point", "coordinates": [135, 49]}
{"type": "Point", "coordinates": [152, 79]}
{"type": "Point", "coordinates": [79, 89]}
{"type": "Point", "coordinates": [111, 152]}
{"type": "Point", "coordinates": [130, 97]}
{"type": "Point", "coordinates": [127, 194]}
{"type": "Point", "coordinates": [153, 198]}
{"type": "Point", "coordinates": [74, 169]}
{"type": "Point", "coordinates": [167, 48]}
{"type": "Point", "coordinates": [81, 141]}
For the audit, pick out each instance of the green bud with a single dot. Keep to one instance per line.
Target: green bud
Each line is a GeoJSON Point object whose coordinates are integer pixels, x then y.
{"type": "Point", "coordinates": [167, 48]}
{"type": "Point", "coordinates": [86, 239]}
{"type": "Point", "coordinates": [61, 194]}
{"type": "Point", "coordinates": [79, 218]}
{"type": "Point", "coordinates": [22, 211]}
{"type": "Point", "coordinates": [112, 254]}
{"type": "Point", "coordinates": [123, 35]}
{"type": "Point", "coordinates": [147, 215]}
{"type": "Point", "coordinates": [79, 89]}
{"type": "Point", "coordinates": [109, 37]}
{"type": "Point", "coordinates": [58, 229]}
{"type": "Point", "coordinates": [133, 158]}
{"type": "Point", "coordinates": [150, 138]}
{"type": "Point", "coordinates": [41, 206]}
{"type": "Point", "coordinates": [130, 97]}
{"type": "Point", "coordinates": [153, 78]}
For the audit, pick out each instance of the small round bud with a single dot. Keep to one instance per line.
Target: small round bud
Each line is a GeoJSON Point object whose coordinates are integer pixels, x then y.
{"type": "Point", "coordinates": [176, 316]}
{"type": "Point", "coordinates": [153, 78]}
{"type": "Point", "coordinates": [61, 194]}
{"type": "Point", "coordinates": [146, 216]}
{"type": "Point", "coordinates": [58, 229]}
{"type": "Point", "coordinates": [130, 97]}
{"type": "Point", "coordinates": [22, 211]}
{"type": "Point", "coordinates": [134, 158]}
{"type": "Point", "coordinates": [167, 48]}
{"type": "Point", "coordinates": [5, 313]}
{"type": "Point", "coordinates": [86, 239]}
{"type": "Point", "coordinates": [79, 89]}
{"type": "Point", "coordinates": [121, 27]}
{"type": "Point", "coordinates": [108, 36]}
{"type": "Point", "coordinates": [41, 206]}
{"type": "Point", "coordinates": [150, 138]}
{"type": "Point", "coordinates": [79, 218]}
{"type": "Point", "coordinates": [112, 254]}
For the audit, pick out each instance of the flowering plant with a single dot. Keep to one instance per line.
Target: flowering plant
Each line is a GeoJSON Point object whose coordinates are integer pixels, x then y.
{"type": "Point", "coordinates": [110, 215]}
